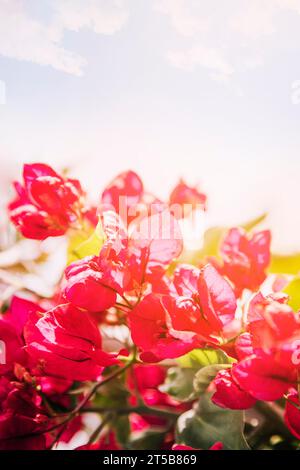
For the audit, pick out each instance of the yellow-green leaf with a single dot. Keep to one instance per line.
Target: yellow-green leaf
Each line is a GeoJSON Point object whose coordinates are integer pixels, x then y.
{"type": "Point", "coordinates": [84, 244]}
{"type": "Point", "coordinates": [251, 224]}
{"type": "Point", "coordinates": [293, 291]}
{"type": "Point", "coordinates": [204, 357]}
{"type": "Point", "coordinates": [285, 264]}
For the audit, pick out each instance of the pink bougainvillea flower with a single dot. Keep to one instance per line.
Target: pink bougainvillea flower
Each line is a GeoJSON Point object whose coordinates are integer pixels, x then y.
{"type": "Point", "coordinates": [216, 298]}
{"type": "Point", "coordinates": [127, 189]}
{"type": "Point", "coordinates": [292, 413]}
{"type": "Point", "coordinates": [274, 327]}
{"type": "Point", "coordinates": [228, 394]}
{"type": "Point", "coordinates": [179, 324]}
{"type": "Point", "coordinates": [148, 323]}
{"type": "Point", "coordinates": [47, 203]}
{"type": "Point", "coordinates": [90, 285]}
{"type": "Point", "coordinates": [264, 378]}
{"type": "Point", "coordinates": [243, 346]}
{"type": "Point", "coordinates": [246, 259]}
{"type": "Point", "coordinates": [258, 304]}
{"type": "Point", "coordinates": [67, 343]}
{"type": "Point", "coordinates": [206, 296]}
{"type": "Point", "coordinates": [18, 312]}
{"type": "Point", "coordinates": [185, 280]}
{"type": "Point", "coordinates": [11, 333]}
{"type": "Point", "coordinates": [125, 263]}
{"type": "Point", "coordinates": [267, 367]}
{"type": "Point", "coordinates": [10, 347]}
{"type": "Point", "coordinates": [184, 195]}
{"type": "Point", "coordinates": [21, 418]}
{"type": "Point", "coordinates": [154, 243]}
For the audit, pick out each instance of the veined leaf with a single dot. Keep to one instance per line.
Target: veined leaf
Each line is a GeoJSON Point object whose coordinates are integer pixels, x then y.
{"type": "Point", "coordinates": [195, 372]}
{"type": "Point", "coordinates": [205, 376]}
{"type": "Point", "coordinates": [207, 424]}
{"type": "Point", "coordinates": [179, 383]}
{"type": "Point", "coordinates": [146, 440]}
{"type": "Point", "coordinates": [203, 357]}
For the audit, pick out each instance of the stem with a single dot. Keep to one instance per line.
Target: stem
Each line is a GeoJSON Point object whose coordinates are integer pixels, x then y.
{"type": "Point", "coordinates": [100, 428]}
{"type": "Point", "coordinates": [140, 409]}
{"type": "Point", "coordinates": [85, 400]}
{"type": "Point", "coordinates": [98, 385]}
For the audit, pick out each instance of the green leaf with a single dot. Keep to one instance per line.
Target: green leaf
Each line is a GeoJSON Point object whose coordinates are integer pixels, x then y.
{"type": "Point", "coordinates": [205, 376]}
{"type": "Point", "coordinates": [251, 224]}
{"type": "Point", "coordinates": [285, 264]}
{"type": "Point", "coordinates": [203, 357]}
{"type": "Point", "coordinates": [179, 383]}
{"type": "Point", "coordinates": [207, 423]}
{"type": "Point", "coordinates": [86, 243]}
{"type": "Point", "coordinates": [211, 242]}
{"type": "Point", "coordinates": [187, 381]}
{"type": "Point", "coordinates": [293, 291]}
{"type": "Point", "coordinates": [114, 394]}
{"type": "Point", "coordinates": [146, 440]}
{"type": "Point", "coordinates": [122, 428]}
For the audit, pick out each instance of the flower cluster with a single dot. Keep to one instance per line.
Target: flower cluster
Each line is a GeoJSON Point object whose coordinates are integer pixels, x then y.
{"type": "Point", "coordinates": [162, 346]}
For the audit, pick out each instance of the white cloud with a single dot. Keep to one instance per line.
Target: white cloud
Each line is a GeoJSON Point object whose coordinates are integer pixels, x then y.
{"type": "Point", "coordinates": [205, 57]}
{"type": "Point", "coordinates": [223, 36]}
{"type": "Point", "coordinates": [25, 38]}
{"type": "Point", "coordinates": [186, 15]}
{"type": "Point", "coordinates": [102, 16]}
{"type": "Point", "coordinates": [255, 18]}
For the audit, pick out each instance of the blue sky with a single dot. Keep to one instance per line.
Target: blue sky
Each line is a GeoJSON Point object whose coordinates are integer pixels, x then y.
{"type": "Point", "coordinates": [170, 88]}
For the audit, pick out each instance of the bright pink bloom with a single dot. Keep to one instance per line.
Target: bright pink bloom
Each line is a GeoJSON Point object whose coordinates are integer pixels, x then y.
{"type": "Point", "coordinates": [292, 413]}
{"type": "Point", "coordinates": [47, 203]}
{"type": "Point", "coordinates": [125, 263]}
{"type": "Point", "coordinates": [207, 299]}
{"type": "Point", "coordinates": [267, 367]}
{"type": "Point", "coordinates": [183, 194]}
{"type": "Point", "coordinates": [21, 418]}
{"type": "Point", "coordinates": [167, 327]}
{"type": "Point", "coordinates": [11, 347]}
{"type": "Point", "coordinates": [19, 311]}
{"type": "Point", "coordinates": [228, 394]}
{"type": "Point", "coordinates": [216, 298]}
{"type": "Point", "coordinates": [186, 280]}
{"type": "Point", "coordinates": [263, 377]}
{"type": "Point", "coordinates": [148, 323]}
{"type": "Point", "coordinates": [182, 447]}
{"type": "Point", "coordinates": [246, 259]}
{"type": "Point", "coordinates": [67, 343]}
{"type": "Point", "coordinates": [274, 328]}
{"type": "Point", "coordinates": [126, 185]}
{"type": "Point", "coordinates": [243, 346]}
{"type": "Point", "coordinates": [90, 285]}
